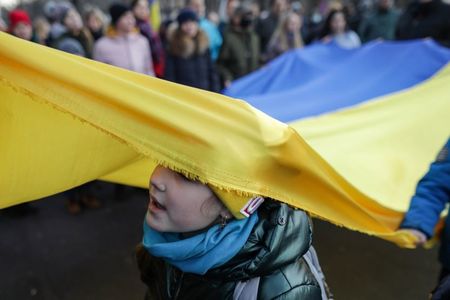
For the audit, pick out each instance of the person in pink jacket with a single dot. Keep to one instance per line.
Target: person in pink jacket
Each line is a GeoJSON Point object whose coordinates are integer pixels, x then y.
{"type": "Point", "coordinates": [123, 46]}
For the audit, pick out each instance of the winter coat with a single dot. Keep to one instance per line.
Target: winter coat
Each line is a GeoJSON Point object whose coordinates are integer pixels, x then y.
{"type": "Point", "coordinates": [129, 52]}
{"type": "Point", "coordinates": [214, 37]}
{"type": "Point", "coordinates": [265, 28]}
{"type": "Point", "coordinates": [347, 40]}
{"type": "Point", "coordinates": [79, 44]}
{"type": "Point", "coordinates": [239, 54]}
{"type": "Point", "coordinates": [273, 252]}
{"type": "Point", "coordinates": [189, 61]}
{"type": "Point", "coordinates": [380, 24]}
{"type": "Point", "coordinates": [422, 20]}
{"type": "Point", "coordinates": [431, 197]}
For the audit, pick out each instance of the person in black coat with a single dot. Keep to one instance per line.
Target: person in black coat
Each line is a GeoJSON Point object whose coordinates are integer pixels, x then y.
{"type": "Point", "coordinates": [188, 58]}
{"type": "Point", "coordinates": [425, 18]}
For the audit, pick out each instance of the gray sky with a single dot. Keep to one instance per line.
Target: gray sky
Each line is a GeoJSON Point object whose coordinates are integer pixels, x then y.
{"type": "Point", "coordinates": [8, 3]}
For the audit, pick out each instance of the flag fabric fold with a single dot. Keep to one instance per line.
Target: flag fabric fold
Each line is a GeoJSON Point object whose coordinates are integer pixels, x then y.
{"type": "Point", "coordinates": [325, 78]}
{"type": "Point", "coordinates": [65, 120]}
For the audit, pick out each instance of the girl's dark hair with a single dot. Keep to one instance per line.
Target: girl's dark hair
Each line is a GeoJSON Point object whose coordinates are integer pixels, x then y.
{"type": "Point", "coordinates": [326, 28]}
{"type": "Point", "coordinates": [133, 3]}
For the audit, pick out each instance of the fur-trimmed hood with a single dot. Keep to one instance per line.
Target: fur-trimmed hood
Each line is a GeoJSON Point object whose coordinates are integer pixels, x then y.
{"type": "Point", "coordinates": [183, 46]}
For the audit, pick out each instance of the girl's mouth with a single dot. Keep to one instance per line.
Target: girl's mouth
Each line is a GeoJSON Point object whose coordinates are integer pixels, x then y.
{"type": "Point", "coordinates": [154, 205]}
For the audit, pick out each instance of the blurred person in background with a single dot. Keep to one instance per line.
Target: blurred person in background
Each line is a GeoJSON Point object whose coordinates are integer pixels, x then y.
{"type": "Point", "coordinates": [188, 59]}
{"type": "Point", "coordinates": [164, 29]}
{"type": "Point", "coordinates": [352, 14]}
{"type": "Point", "coordinates": [425, 19]}
{"type": "Point", "coordinates": [267, 25]}
{"type": "Point", "coordinates": [141, 11]}
{"type": "Point", "coordinates": [214, 18]}
{"type": "Point", "coordinates": [380, 23]}
{"type": "Point", "coordinates": [227, 11]}
{"type": "Point", "coordinates": [211, 29]}
{"type": "Point", "coordinates": [255, 7]}
{"type": "Point", "coordinates": [95, 22]}
{"type": "Point", "coordinates": [240, 52]}
{"type": "Point", "coordinates": [75, 33]}
{"type": "Point", "coordinates": [41, 30]}
{"type": "Point", "coordinates": [335, 30]}
{"type": "Point", "coordinates": [20, 24]}
{"type": "Point", "coordinates": [3, 26]}
{"type": "Point", "coordinates": [286, 37]}
{"type": "Point", "coordinates": [54, 12]}
{"type": "Point", "coordinates": [123, 46]}
{"type": "Point", "coordinates": [313, 22]}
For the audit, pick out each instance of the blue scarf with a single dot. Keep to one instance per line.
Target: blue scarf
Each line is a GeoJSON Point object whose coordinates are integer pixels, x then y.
{"type": "Point", "coordinates": [204, 251]}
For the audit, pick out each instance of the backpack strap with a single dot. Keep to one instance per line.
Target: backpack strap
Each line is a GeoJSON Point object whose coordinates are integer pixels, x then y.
{"type": "Point", "coordinates": [246, 290]}
{"type": "Point", "coordinates": [313, 263]}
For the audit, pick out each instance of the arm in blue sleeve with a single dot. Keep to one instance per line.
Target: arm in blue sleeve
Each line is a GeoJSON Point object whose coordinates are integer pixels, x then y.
{"type": "Point", "coordinates": [432, 194]}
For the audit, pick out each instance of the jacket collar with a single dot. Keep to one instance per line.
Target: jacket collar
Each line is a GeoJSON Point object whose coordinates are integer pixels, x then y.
{"type": "Point", "coordinates": [112, 33]}
{"type": "Point", "coordinates": [281, 236]}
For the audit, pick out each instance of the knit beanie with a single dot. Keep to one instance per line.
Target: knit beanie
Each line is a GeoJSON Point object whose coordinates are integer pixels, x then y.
{"type": "Point", "coordinates": [18, 16]}
{"type": "Point", "coordinates": [116, 11]}
{"type": "Point", "coordinates": [62, 9]}
{"type": "Point", "coordinates": [186, 15]}
{"type": "Point", "coordinates": [56, 11]}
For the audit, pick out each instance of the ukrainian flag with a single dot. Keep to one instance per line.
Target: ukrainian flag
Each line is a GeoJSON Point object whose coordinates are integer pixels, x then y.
{"type": "Point", "coordinates": [379, 114]}
{"type": "Point", "coordinates": [66, 120]}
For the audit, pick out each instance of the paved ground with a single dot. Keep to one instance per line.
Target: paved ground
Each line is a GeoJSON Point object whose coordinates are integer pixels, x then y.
{"type": "Point", "coordinates": [363, 267]}
{"type": "Point", "coordinates": [54, 255]}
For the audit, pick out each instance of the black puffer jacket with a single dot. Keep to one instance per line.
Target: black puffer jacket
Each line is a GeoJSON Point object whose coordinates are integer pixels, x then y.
{"type": "Point", "coordinates": [273, 252]}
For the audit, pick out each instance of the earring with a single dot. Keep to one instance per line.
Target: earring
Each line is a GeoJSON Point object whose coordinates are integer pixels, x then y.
{"type": "Point", "coordinates": [223, 222]}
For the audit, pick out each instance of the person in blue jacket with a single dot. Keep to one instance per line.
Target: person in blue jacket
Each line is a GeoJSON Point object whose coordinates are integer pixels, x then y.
{"type": "Point", "coordinates": [211, 29]}
{"type": "Point", "coordinates": [431, 197]}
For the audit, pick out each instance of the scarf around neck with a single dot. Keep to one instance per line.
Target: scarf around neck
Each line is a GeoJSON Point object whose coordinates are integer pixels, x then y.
{"type": "Point", "coordinates": [201, 252]}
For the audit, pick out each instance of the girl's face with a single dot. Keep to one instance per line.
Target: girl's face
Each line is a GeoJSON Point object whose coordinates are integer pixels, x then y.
{"type": "Point", "coordinates": [231, 6]}
{"type": "Point", "coordinates": [73, 20]}
{"type": "Point", "coordinates": [94, 22]}
{"type": "Point", "coordinates": [141, 10]}
{"type": "Point", "coordinates": [126, 23]}
{"type": "Point", "coordinates": [190, 28]}
{"type": "Point", "coordinates": [23, 31]}
{"type": "Point", "coordinates": [178, 204]}
{"type": "Point", "coordinates": [293, 23]}
{"type": "Point", "coordinates": [338, 23]}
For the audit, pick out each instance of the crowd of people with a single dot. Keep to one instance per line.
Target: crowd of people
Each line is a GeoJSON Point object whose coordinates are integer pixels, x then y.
{"type": "Point", "coordinates": [198, 49]}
